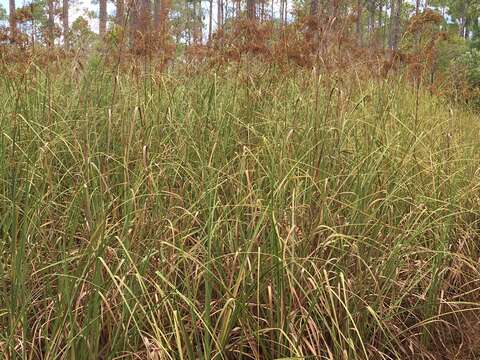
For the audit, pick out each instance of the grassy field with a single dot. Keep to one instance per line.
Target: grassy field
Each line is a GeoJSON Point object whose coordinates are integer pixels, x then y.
{"type": "Point", "coordinates": [242, 214]}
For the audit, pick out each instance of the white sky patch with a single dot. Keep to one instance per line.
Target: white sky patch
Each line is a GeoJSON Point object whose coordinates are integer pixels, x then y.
{"type": "Point", "coordinates": [82, 7]}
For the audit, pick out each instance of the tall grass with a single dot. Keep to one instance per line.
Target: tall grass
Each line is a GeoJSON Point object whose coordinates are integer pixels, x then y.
{"type": "Point", "coordinates": [235, 215]}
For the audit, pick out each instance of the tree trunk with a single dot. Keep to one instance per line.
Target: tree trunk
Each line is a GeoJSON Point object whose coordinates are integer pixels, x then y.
{"type": "Point", "coordinates": [210, 16]}
{"type": "Point", "coordinates": [12, 21]}
{"type": "Point", "coordinates": [314, 15]}
{"type": "Point", "coordinates": [50, 23]}
{"type": "Point", "coordinates": [133, 18]}
{"type": "Point", "coordinates": [200, 21]}
{"type": "Point", "coordinates": [396, 13]}
{"type": "Point", "coordinates": [220, 10]}
{"type": "Point", "coordinates": [462, 20]}
{"type": "Point", "coordinates": [392, 24]}
{"type": "Point", "coordinates": [281, 11]}
{"type": "Point", "coordinates": [335, 4]}
{"type": "Point", "coordinates": [358, 22]}
{"type": "Point", "coordinates": [145, 16]}
{"type": "Point", "coordinates": [194, 23]}
{"type": "Point", "coordinates": [381, 25]}
{"type": "Point", "coordinates": [102, 26]}
{"type": "Point", "coordinates": [190, 29]}
{"type": "Point", "coordinates": [224, 11]}
{"type": "Point", "coordinates": [371, 16]}
{"type": "Point", "coordinates": [251, 10]}
{"type": "Point", "coordinates": [144, 25]}
{"type": "Point", "coordinates": [66, 25]}
{"type": "Point", "coordinates": [164, 10]}
{"type": "Point", "coordinates": [475, 27]}
{"type": "Point", "coordinates": [157, 13]}
{"type": "Point", "coordinates": [314, 8]}
{"type": "Point", "coordinates": [120, 13]}
{"type": "Point", "coordinates": [197, 22]}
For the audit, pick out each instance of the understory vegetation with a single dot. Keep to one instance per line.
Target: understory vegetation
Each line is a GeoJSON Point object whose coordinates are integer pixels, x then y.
{"type": "Point", "coordinates": [242, 212]}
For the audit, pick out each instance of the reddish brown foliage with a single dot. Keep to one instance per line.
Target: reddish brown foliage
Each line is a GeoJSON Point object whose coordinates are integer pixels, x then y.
{"type": "Point", "coordinates": [327, 43]}
{"type": "Point", "coordinates": [303, 43]}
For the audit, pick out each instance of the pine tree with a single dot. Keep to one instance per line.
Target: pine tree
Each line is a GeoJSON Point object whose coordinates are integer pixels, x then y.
{"type": "Point", "coordinates": [50, 23]}
{"type": "Point", "coordinates": [120, 13]}
{"type": "Point", "coordinates": [66, 24]}
{"type": "Point", "coordinates": [102, 28]}
{"type": "Point", "coordinates": [12, 21]}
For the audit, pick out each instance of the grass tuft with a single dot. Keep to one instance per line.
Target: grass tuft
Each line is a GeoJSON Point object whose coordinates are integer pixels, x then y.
{"type": "Point", "coordinates": [238, 214]}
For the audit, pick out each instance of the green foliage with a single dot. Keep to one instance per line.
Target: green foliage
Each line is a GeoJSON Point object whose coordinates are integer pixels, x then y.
{"type": "Point", "coordinates": [460, 62]}
{"type": "Point", "coordinates": [115, 36]}
{"type": "Point", "coordinates": [475, 41]}
{"type": "Point", "coordinates": [3, 13]}
{"type": "Point", "coordinates": [450, 52]}
{"type": "Point", "coordinates": [81, 36]}
{"type": "Point", "coordinates": [471, 60]}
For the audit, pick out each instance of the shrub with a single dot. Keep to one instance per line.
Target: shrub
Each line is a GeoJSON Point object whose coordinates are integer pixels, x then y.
{"type": "Point", "coordinates": [470, 63]}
